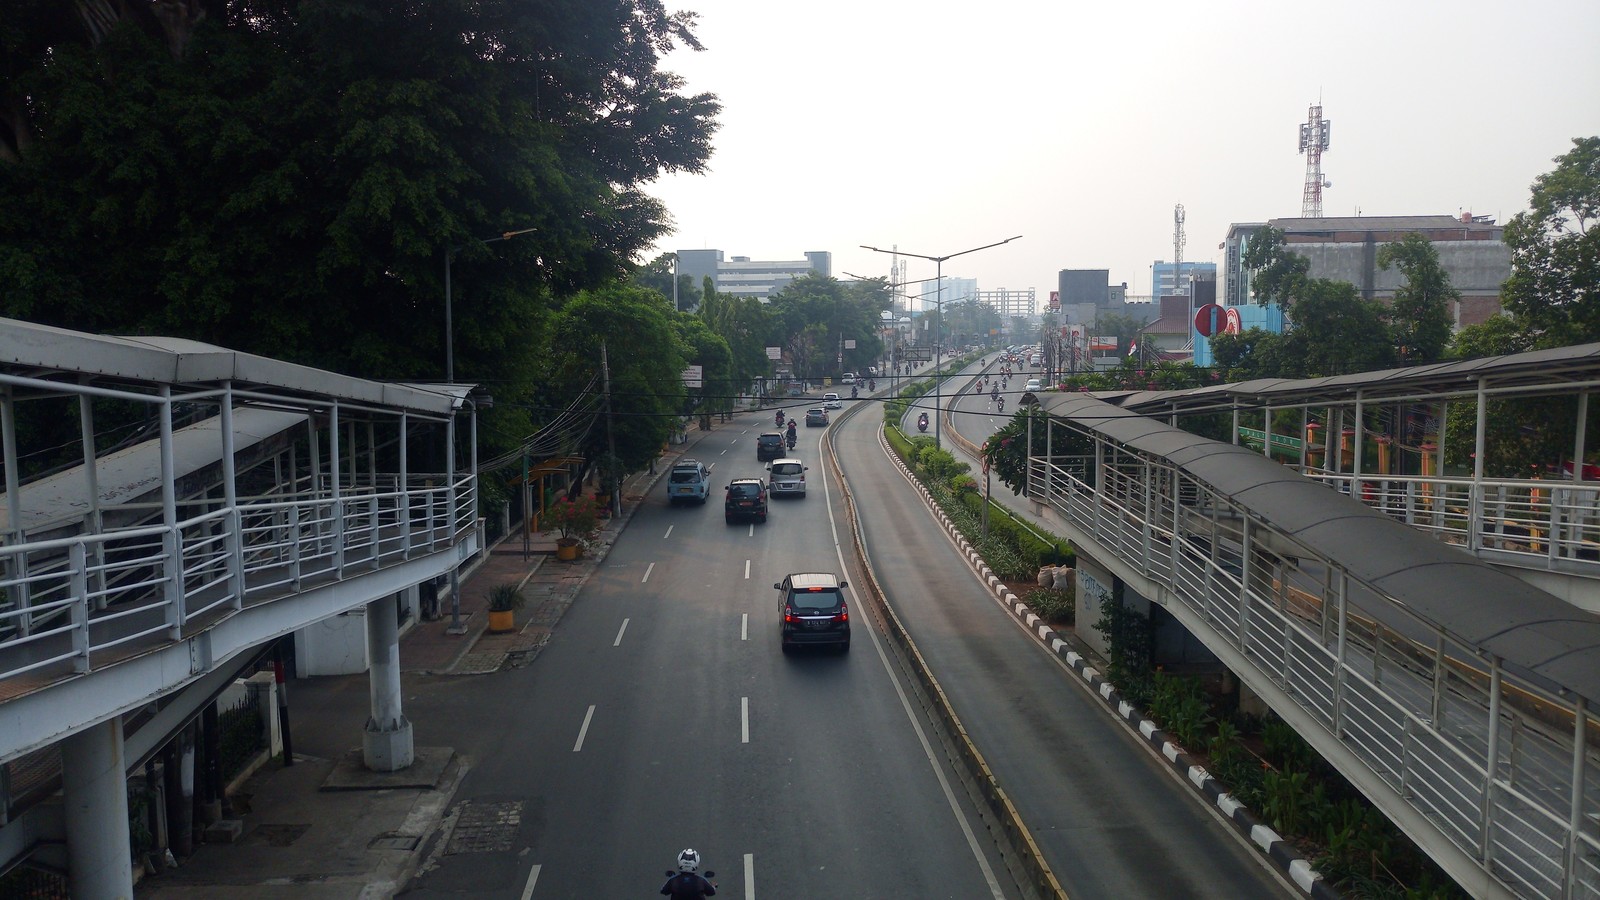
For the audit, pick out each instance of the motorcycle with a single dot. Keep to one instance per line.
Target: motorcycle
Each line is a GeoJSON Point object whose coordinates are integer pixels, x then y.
{"type": "Point", "coordinates": [922, 422]}
{"type": "Point", "coordinates": [791, 439]}
{"type": "Point", "coordinates": [707, 875]}
{"type": "Point", "coordinates": [777, 418]}
{"type": "Point", "coordinates": [1001, 404]}
{"type": "Point", "coordinates": [853, 393]}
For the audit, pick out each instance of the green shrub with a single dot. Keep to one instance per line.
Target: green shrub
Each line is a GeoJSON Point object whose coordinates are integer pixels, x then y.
{"type": "Point", "coordinates": [939, 464]}
{"type": "Point", "coordinates": [1058, 607]}
{"type": "Point", "coordinates": [899, 443]}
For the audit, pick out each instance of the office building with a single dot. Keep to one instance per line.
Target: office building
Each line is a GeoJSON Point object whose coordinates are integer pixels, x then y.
{"type": "Point", "coordinates": [1165, 282]}
{"type": "Point", "coordinates": [742, 276]}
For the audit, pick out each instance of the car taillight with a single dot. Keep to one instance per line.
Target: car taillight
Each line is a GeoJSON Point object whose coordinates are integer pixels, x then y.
{"type": "Point", "coordinates": [844, 613]}
{"type": "Point", "coordinates": [788, 614]}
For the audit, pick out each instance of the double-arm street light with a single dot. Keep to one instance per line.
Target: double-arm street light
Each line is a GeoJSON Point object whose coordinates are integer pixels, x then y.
{"type": "Point", "coordinates": [449, 319]}
{"type": "Point", "coordinates": [938, 262]}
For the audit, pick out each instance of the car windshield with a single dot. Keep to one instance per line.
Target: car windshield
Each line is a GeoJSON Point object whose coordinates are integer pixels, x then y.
{"type": "Point", "coordinates": [819, 598]}
{"type": "Point", "coordinates": [744, 490]}
{"type": "Point", "coordinates": [786, 469]}
{"type": "Point", "coordinates": [770, 439]}
{"type": "Point", "coordinates": [686, 476]}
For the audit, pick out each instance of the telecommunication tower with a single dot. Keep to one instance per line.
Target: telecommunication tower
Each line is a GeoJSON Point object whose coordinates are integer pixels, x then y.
{"type": "Point", "coordinates": [1178, 240]}
{"type": "Point", "coordinates": [1314, 140]}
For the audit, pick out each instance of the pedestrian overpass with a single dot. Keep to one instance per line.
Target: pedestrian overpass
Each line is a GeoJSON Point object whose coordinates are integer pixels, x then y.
{"type": "Point", "coordinates": [1401, 624]}
{"type": "Point", "coordinates": [171, 508]}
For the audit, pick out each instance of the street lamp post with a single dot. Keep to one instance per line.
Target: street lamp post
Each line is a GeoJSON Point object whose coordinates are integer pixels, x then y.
{"type": "Point", "coordinates": [456, 625]}
{"type": "Point", "coordinates": [449, 318]}
{"type": "Point", "coordinates": [938, 372]}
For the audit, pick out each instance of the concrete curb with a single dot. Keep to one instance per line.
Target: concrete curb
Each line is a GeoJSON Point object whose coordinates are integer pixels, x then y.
{"type": "Point", "coordinates": [1269, 842]}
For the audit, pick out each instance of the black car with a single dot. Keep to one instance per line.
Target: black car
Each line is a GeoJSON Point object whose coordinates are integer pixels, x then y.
{"type": "Point", "coordinates": [746, 497]}
{"type": "Point", "coordinates": [769, 445]}
{"type": "Point", "coordinates": [818, 416]}
{"type": "Point", "coordinates": [812, 611]}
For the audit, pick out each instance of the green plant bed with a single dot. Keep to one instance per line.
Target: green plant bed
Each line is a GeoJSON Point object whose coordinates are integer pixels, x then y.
{"type": "Point", "coordinates": [1058, 607]}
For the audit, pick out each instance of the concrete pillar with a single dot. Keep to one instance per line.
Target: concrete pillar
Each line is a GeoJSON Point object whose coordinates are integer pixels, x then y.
{"type": "Point", "coordinates": [99, 861]}
{"type": "Point", "coordinates": [386, 746]}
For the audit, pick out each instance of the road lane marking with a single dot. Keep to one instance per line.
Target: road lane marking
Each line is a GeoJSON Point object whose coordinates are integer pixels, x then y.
{"type": "Point", "coordinates": [723, 453]}
{"type": "Point", "coordinates": [747, 570]}
{"type": "Point", "coordinates": [905, 704]}
{"type": "Point", "coordinates": [647, 570]}
{"type": "Point", "coordinates": [618, 641]}
{"type": "Point", "coordinates": [533, 879]}
{"type": "Point", "coordinates": [669, 532]}
{"type": "Point", "coordinates": [584, 730]}
{"type": "Point", "coordinates": [752, 530]}
{"type": "Point", "coordinates": [749, 877]}
{"type": "Point", "coordinates": [744, 720]}
{"type": "Point", "coordinates": [744, 627]}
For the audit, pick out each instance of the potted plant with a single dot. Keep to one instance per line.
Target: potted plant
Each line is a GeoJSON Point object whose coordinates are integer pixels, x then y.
{"type": "Point", "coordinates": [578, 521]}
{"type": "Point", "coordinates": [504, 601]}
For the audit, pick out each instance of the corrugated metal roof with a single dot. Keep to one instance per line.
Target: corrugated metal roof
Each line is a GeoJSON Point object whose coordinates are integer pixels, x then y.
{"type": "Point", "coordinates": [178, 361]}
{"type": "Point", "coordinates": [1535, 633]}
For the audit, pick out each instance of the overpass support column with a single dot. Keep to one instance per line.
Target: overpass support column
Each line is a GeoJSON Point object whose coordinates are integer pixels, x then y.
{"type": "Point", "coordinates": [96, 794]}
{"type": "Point", "coordinates": [386, 746]}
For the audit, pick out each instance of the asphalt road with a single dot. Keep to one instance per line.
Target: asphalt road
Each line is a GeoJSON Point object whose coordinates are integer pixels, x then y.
{"type": "Point", "coordinates": [1112, 820]}
{"type": "Point", "coordinates": [663, 715]}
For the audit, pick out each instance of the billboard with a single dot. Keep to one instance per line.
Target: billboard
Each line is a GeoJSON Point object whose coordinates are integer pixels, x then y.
{"type": "Point", "coordinates": [1103, 343]}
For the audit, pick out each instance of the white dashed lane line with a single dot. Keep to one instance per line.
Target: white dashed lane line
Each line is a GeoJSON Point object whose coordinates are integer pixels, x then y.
{"type": "Point", "coordinates": [749, 877]}
{"type": "Point", "coordinates": [744, 720]}
{"type": "Point", "coordinates": [587, 717]}
{"type": "Point", "coordinates": [744, 627]}
{"type": "Point", "coordinates": [752, 530]}
{"type": "Point", "coordinates": [669, 532]}
{"type": "Point", "coordinates": [647, 570]}
{"type": "Point", "coordinates": [747, 570]}
{"type": "Point", "coordinates": [533, 879]}
{"type": "Point", "coordinates": [618, 641]}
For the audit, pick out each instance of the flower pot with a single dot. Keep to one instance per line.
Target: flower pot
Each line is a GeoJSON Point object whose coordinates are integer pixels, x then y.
{"type": "Point", "coordinates": [502, 621]}
{"type": "Point", "coordinates": [568, 549]}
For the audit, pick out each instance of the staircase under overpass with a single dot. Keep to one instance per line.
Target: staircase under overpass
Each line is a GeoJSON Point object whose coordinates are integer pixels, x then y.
{"type": "Point", "coordinates": [244, 499]}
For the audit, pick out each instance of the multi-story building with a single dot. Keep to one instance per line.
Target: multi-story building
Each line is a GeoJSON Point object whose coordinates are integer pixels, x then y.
{"type": "Point", "coordinates": [1471, 251]}
{"type": "Point", "coordinates": [1166, 282]}
{"type": "Point", "coordinates": [1087, 294]}
{"type": "Point", "coordinates": [745, 277]}
{"type": "Point", "coordinates": [1009, 304]}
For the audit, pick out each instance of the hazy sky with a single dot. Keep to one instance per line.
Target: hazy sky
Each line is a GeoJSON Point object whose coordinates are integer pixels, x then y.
{"type": "Point", "coordinates": [941, 126]}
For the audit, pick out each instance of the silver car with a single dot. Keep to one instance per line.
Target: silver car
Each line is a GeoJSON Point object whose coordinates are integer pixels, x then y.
{"type": "Point", "coordinates": [786, 476]}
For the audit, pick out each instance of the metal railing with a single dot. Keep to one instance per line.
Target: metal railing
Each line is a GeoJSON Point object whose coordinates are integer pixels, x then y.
{"type": "Point", "coordinates": [67, 604]}
{"type": "Point", "coordinates": [1504, 771]}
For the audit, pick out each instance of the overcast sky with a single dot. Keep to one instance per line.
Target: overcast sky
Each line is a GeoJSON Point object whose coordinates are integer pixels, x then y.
{"type": "Point", "coordinates": [941, 126]}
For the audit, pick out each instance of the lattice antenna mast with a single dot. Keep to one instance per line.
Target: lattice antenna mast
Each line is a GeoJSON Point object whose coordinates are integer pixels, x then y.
{"type": "Point", "coordinates": [1314, 140]}
{"type": "Point", "coordinates": [1178, 240]}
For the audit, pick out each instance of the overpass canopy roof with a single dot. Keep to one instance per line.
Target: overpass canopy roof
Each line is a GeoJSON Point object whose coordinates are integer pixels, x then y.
{"type": "Point", "coordinates": [74, 357]}
{"type": "Point", "coordinates": [1549, 371]}
{"type": "Point", "coordinates": [1535, 634]}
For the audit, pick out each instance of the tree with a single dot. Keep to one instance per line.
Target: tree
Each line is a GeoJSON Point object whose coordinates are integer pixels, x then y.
{"type": "Point", "coordinates": [287, 179]}
{"type": "Point", "coordinates": [1554, 288]}
{"type": "Point", "coordinates": [646, 359]}
{"type": "Point", "coordinates": [814, 315]}
{"type": "Point", "coordinates": [1336, 331]}
{"type": "Point", "coordinates": [1276, 275]}
{"type": "Point", "coordinates": [1419, 316]}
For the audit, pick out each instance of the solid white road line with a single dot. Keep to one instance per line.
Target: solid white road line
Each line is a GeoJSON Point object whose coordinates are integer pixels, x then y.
{"type": "Point", "coordinates": [749, 877]}
{"type": "Point", "coordinates": [584, 730]}
{"type": "Point", "coordinates": [533, 879]}
{"type": "Point", "coordinates": [618, 641]}
{"type": "Point", "coordinates": [647, 570]}
{"type": "Point", "coordinates": [669, 532]}
{"type": "Point", "coordinates": [744, 627]}
{"type": "Point", "coordinates": [747, 570]}
{"type": "Point", "coordinates": [744, 720]}
{"type": "Point", "coordinates": [905, 704]}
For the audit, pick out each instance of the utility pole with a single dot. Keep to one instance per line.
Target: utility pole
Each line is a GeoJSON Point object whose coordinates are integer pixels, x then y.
{"type": "Point", "coordinates": [614, 488]}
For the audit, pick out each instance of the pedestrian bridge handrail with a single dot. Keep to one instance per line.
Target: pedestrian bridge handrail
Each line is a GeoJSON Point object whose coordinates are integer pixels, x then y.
{"type": "Point", "coordinates": [1491, 773]}
{"type": "Point", "coordinates": [1528, 523]}
{"type": "Point", "coordinates": [71, 602]}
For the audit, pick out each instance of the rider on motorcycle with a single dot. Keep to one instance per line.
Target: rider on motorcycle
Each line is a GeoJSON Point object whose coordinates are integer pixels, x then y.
{"type": "Point", "coordinates": [778, 418]}
{"type": "Point", "coordinates": [687, 884]}
{"type": "Point", "coordinates": [1001, 404]}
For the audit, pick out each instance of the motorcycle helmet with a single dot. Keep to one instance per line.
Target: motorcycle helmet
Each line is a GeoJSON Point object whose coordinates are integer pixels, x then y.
{"type": "Point", "coordinates": [688, 861]}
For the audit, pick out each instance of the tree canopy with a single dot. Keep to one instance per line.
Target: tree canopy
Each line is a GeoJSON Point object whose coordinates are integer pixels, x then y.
{"type": "Point", "coordinates": [1419, 316]}
{"type": "Point", "coordinates": [1554, 288]}
{"type": "Point", "coordinates": [287, 178]}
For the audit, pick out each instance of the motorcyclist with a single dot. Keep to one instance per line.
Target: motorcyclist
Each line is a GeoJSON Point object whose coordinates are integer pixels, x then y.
{"type": "Point", "coordinates": [1001, 404]}
{"type": "Point", "coordinates": [922, 421]}
{"type": "Point", "coordinates": [852, 392]}
{"type": "Point", "coordinates": [778, 418]}
{"type": "Point", "coordinates": [687, 884]}
{"type": "Point", "coordinates": [994, 392]}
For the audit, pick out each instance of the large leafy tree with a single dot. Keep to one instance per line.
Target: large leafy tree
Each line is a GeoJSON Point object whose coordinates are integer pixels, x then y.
{"type": "Point", "coordinates": [1554, 288]}
{"type": "Point", "coordinates": [646, 388]}
{"type": "Point", "coordinates": [814, 315]}
{"type": "Point", "coordinates": [287, 178]}
{"type": "Point", "coordinates": [1419, 315]}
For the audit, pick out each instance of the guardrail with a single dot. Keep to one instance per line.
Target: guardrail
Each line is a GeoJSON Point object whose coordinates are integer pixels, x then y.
{"type": "Point", "coordinates": [1413, 707]}
{"type": "Point", "coordinates": [79, 602]}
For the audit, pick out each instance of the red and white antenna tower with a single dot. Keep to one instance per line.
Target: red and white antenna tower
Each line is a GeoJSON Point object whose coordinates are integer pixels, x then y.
{"type": "Point", "coordinates": [1314, 140]}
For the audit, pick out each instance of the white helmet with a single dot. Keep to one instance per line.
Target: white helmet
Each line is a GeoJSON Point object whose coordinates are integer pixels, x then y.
{"type": "Point", "coordinates": [688, 861]}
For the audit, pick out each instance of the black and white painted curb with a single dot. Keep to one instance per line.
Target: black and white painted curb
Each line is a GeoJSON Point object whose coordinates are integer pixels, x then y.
{"type": "Point", "coordinates": [1273, 845]}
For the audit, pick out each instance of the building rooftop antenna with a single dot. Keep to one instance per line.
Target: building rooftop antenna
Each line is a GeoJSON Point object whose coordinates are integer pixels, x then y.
{"type": "Point", "coordinates": [1314, 140]}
